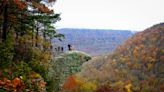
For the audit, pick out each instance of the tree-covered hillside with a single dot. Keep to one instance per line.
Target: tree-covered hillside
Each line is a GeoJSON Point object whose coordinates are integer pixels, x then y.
{"type": "Point", "coordinates": [135, 66]}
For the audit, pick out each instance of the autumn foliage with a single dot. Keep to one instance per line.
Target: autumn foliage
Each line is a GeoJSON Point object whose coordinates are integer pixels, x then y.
{"type": "Point", "coordinates": [138, 60]}
{"type": "Point", "coordinates": [25, 54]}
{"type": "Point", "coordinates": [16, 85]}
{"type": "Point", "coordinates": [72, 83]}
{"type": "Point", "coordinates": [21, 5]}
{"type": "Point", "coordinates": [105, 88]}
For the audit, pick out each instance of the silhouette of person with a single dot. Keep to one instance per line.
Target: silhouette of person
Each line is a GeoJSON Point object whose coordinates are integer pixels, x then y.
{"type": "Point", "coordinates": [69, 47]}
{"type": "Point", "coordinates": [55, 49]}
{"type": "Point", "coordinates": [58, 48]}
{"type": "Point", "coordinates": [62, 49]}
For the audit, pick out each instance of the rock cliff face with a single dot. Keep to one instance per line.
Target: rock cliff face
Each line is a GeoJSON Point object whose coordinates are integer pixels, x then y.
{"type": "Point", "coordinates": [66, 64]}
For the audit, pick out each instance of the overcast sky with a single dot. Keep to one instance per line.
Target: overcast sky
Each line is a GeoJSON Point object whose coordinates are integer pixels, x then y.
{"type": "Point", "coordinates": [110, 14]}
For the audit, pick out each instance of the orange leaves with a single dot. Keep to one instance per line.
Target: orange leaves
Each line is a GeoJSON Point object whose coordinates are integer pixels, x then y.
{"type": "Point", "coordinates": [16, 85]}
{"type": "Point", "coordinates": [2, 83]}
{"type": "Point", "coordinates": [162, 87]}
{"type": "Point", "coordinates": [71, 83]}
{"type": "Point", "coordinates": [149, 54]}
{"type": "Point", "coordinates": [41, 7]}
{"type": "Point", "coordinates": [42, 84]}
{"type": "Point", "coordinates": [17, 1]}
{"type": "Point", "coordinates": [21, 5]}
{"type": "Point", "coordinates": [10, 84]}
{"type": "Point", "coordinates": [137, 50]}
{"type": "Point", "coordinates": [162, 58]}
{"type": "Point", "coordinates": [5, 82]}
{"type": "Point", "coordinates": [16, 82]}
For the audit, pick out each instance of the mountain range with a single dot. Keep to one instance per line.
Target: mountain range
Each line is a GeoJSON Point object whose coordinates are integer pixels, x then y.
{"type": "Point", "coordinates": [92, 41]}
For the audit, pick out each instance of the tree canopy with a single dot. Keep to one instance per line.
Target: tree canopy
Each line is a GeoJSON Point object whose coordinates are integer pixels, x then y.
{"type": "Point", "coordinates": [26, 31]}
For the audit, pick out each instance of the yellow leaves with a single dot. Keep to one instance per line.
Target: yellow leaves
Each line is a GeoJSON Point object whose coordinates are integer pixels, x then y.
{"type": "Point", "coordinates": [113, 62]}
{"type": "Point", "coordinates": [46, 44]}
{"type": "Point", "coordinates": [118, 83]}
{"type": "Point", "coordinates": [34, 75]}
{"type": "Point", "coordinates": [149, 66]}
{"type": "Point", "coordinates": [45, 56]}
{"type": "Point", "coordinates": [128, 87]}
{"type": "Point", "coordinates": [162, 51]}
{"type": "Point", "coordinates": [25, 39]}
{"type": "Point", "coordinates": [137, 66]}
{"type": "Point", "coordinates": [89, 86]}
{"type": "Point", "coordinates": [124, 59]}
{"type": "Point", "coordinates": [38, 40]}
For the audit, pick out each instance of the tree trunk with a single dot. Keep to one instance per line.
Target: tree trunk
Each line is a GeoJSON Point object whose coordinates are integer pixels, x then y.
{"type": "Point", "coordinates": [37, 33]}
{"type": "Point", "coordinates": [5, 23]}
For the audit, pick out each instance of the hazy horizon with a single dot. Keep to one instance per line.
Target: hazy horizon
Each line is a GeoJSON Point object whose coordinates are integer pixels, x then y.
{"type": "Point", "coordinates": [98, 29]}
{"type": "Point", "coordinates": [132, 15]}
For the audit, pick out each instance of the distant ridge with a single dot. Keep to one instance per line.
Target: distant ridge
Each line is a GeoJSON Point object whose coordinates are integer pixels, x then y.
{"type": "Point", "coordinates": [140, 60]}
{"type": "Point", "coordinates": [93, 41]}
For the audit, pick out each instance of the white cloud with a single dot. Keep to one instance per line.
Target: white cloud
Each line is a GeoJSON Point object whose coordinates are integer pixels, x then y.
{"type": "Point", "coordinates": [110, 14]}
